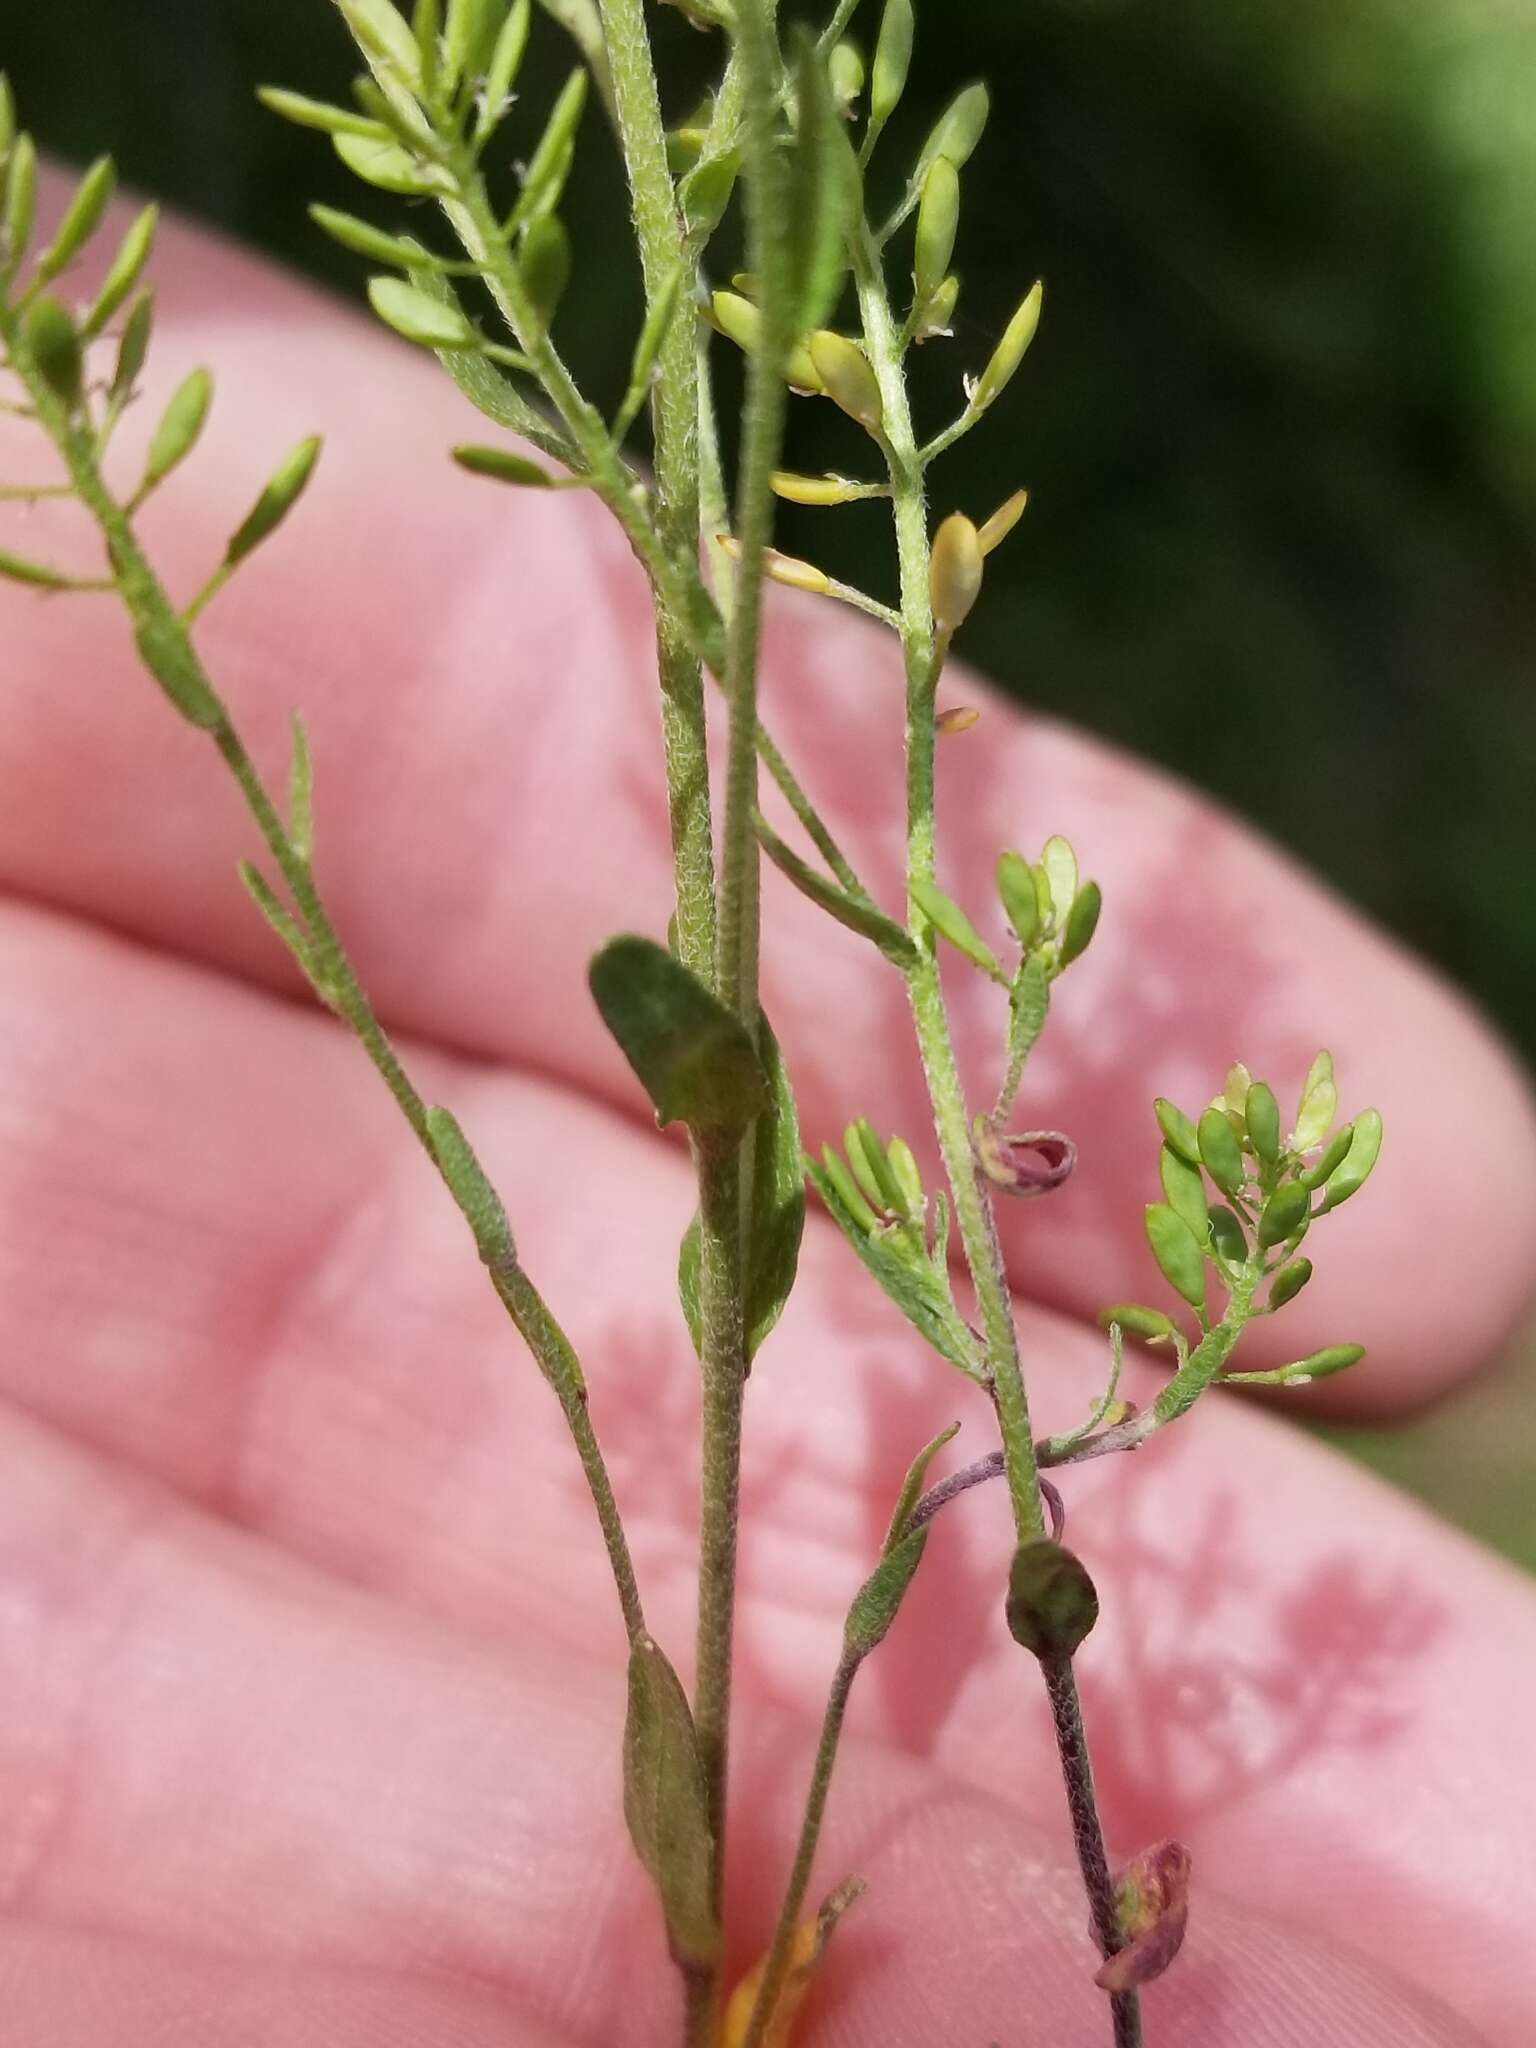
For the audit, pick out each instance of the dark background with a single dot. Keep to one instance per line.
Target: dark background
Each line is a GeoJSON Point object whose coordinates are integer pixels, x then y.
{"type": "Point", "coordinates": [1279, 428]}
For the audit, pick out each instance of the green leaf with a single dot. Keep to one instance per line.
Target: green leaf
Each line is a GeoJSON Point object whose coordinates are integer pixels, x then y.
{"type": "Point", "coordinates": [863, 918]}
{"type": "Point", "coordinates": [892, 61]}
{"type": "Point", "coordinates": [470, 1187]}
{"type": "Point", "coordinates": [951, 923]}
{"type": "Point", "coordinates": [127, 266]}
{"type": "Point", "coordinates": [666, 1803]}
{"type": "Point", "coordinates": [1287, 1284]}
{"type": "Point", "coordinates": [82, 217]}
{"type": "Point", "coordinates": [1177, 1129]}
{"type": "Point", "coordinates": [486, 388]}
{"type": "Point", "coordinates": [912, 1486]}
{"type": "Point", "coordinates": [276, 501]}
{"type": "Point", "coordinates": [1177, 1251]}
{"type": "Point", "coordinates": [166, 652]}
{"type": "Point", "coordinates": [1052, 1605]}
{"type": "Point", "coordinates": [904, 1273]}
{"type": "Point", "coordinates": [1184, 1185]}
{"type": "Point", "coordinates": [1261, 1113]}
{"type": "Point", "coordinates": [871, 1168]}
{"type": "Point", "coordinates": [278, 916]}
{"type": "Point", "coordinates": [1351, 1176]}
{"type": "Point", "coordinates": [301, 791]}
{"type": "Point", "coordinates": [1150, 1324]}
{"type": "Point", "coordinates": [706, 192]}
{"type": "Point", "coordinates": [823, 189]}
{"type": "Point", "coordinates": [907, 1177]}
{"type": "Point", "coordinates": [1283, 1213]}
{"type": "Point", "coordinates": [877, 1601]}
{"type": "Point", "coordinates": [389, 168]}
{"type": "Point", "coordinates": [848, 1190]}
{"type": "Point", "coordinates": [1016, 889]}
{"type": "Point", "coordinates": [180, 425]}
{"type": "Point", "coordinates": [1221, 1152]}
{"type": "Point", "coordinates": [694, 1059]}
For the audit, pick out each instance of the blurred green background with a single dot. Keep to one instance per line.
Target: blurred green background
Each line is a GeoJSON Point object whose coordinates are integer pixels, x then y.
{"type": "Point", "coordinates": [1284, 474]}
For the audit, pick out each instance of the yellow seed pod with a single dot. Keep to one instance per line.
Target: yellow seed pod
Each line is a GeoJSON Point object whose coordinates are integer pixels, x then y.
{"type": "Point", "coordinates": [954, 572]}
{"type": "Point", "coordinates": [807, 1949]}
{"type": "Point", "coordinates": [787, 569]}
{"type": "Point", "coordinates": [1010, 351]}
{"type": "Point", "coordinates": [958, 718]}
{"type": "Point", "coordinates": [817, 490]}
{"type": "Point", "coordinates": [1007, 516]}
{"type": "Point", "coordinates": [737, 319]}
{"type": "Point", "coordinates": [847, 377]}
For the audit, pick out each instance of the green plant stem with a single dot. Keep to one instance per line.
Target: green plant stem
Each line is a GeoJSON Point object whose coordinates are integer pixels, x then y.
{"type": "Point", "coordinates": [776, 1967]}
{"type": "Point", "coordinates": [972, 1204]}
{"type": "Point", "coordinates": [332, 969]}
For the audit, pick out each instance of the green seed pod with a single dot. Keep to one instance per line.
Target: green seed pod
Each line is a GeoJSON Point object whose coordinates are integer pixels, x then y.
{"type": "Point", "coordinates": [1007, 516]}
{"type": "Point", "coordinates": [876, 1603]}
{"type": "Point", "coordinates": [935, 317]}
{"type": "Point", "coordinates": [954, 572]}
{"type": "Point", "coordinates": [1282, 1213]}
{"type": "Point", "coordinates": [1184, 1185]}
{"type": "Point", "coordinates": [389, 168]}
{"type": "Point", "coordinates": [1319, 1104]}
{"type": "Point", "coordinates": [1177, 1252]}
{"type": "Point", "coordinates": [1177, 1129]}
{"type": "Point", "coordinates": [53, 342]}
{"type": "Point", "coordinates": [1016, 888]}
{"type": "Point", "coordinates": [167, 653]}
{"type": "Point", "coordinates": [957, 130]}
{"type": "Point", "coordinates": [1287, 1284]}
{"type": "Point", "coordinates": [304, 112]}
{"type": "Point", "coordinates": [909, 1181]}
{"type": "Point", "coordinates": [131, 350]}
{"type": "Point", "coordinates": [40, 575]}
{"type": "Point", "coordinates": [469, 32]}
{"type": "Point", "coordinates": [1010, 351]}
{"type": "Point", "coordinates": [1082, 923]}
{"type": "Point", "coordinates": [654, 330]}
{"type": "Point", "coordinates": [384, 36]}
{"type": "Point", "coordinates": [20, 203]}
{"type": "Point", "coordinates": [1347, 1179]}
{"type": "Point", "coordinates": [845, 75]}
{"type": "Point", "coordinates": [552, 159]}
{"type": "Point", "coordinates": [1052, 1605]}
{"type": "Point", "coordinates": [276, 501]}
{"type": "Point", "coordinates": [180, 425]}
{"type": "Point", "coordinates": [847, 1191]}
{"type": "Point", "coordinates": [666, 1804]}
{"type": "Point", "coordinates": [363, 239]}
{"type": "Point", "coordinates": [847, 378]}
{"type": "Point", "coordinates": [951, 922]}
{"type": "Point", "coordinates": [1261, 1113]}
{"type": "Point", "coordinates": [82, 217]}
{"type": "Point", "coordinates": [503, 466]}
{"type": "Point", "coordinates": [427, 27]}
{"type": "Point", "coordinates": [1227, 1234]}
{"type": "Point", "coordinates": [470, 1188]}
{"type": "Point", "coordinates": [506, 59]}
{"type": "Point", "coordinates": [1150, 1324]}
{"type": "Point", "coordinates": [938, 218]}
{"type": "Point", "coordinates": [1333, 1358]}
{"type": "Point", "coordinates": [1337, 1151]}
{"type": "Point", "coordinates": [1221, 1153]}
{"type": "Point", "coordinates": [1060, 865]}
{"type": "Point", "coordinates": [892, 61]}
{"type": "Point", "coordinates": [1234, 1092]}
{"type": "Point", "coordinates": [127, 266]}
{"type": "Point", "coordinates": [415, 316]}
{"type": "Point", "coordinates": [544, 259]}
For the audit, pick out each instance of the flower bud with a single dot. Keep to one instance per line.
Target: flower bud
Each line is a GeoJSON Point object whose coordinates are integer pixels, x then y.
{"type": "Point", "coordinates": [1010, 351]}
{"type": "Point", "coordinates": [1052, 1605]}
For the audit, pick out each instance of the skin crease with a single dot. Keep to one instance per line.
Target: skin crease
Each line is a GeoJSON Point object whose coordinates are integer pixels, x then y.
{"type": "Point", "coordinates": [310, 1674]}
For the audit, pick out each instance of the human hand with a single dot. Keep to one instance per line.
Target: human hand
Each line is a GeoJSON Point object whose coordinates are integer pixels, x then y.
{"type": "Point", "coordinates": [310, 1674]}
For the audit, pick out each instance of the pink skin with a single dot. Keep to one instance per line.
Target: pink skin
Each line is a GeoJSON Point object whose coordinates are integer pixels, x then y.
{"type": "Point", "coordinates": [310, 1674]}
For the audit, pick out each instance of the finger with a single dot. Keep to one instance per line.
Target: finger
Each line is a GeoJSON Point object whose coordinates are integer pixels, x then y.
{"type": "Point", "coordinates": [70, 1989]}
{"type": "Point", "coordinates": [1290, 1654]}
{"type": "Point", "coordinates": [475, 668]}
{"type": "Point", "coordinates": [241, 1760]}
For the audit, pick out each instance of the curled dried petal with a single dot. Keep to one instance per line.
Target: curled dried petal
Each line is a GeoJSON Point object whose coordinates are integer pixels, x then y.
{"type": "Point", "coordinates": [1025, 1163]}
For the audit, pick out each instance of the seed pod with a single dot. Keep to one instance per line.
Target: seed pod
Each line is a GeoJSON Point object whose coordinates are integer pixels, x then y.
{"type": "Point", "coordinates": [954, 572]}
{"type": "Point", "coordinates": [166, 652]}
{"type": "Point", "coordinates": [909, 1181]}
{"type": "Point", "coordinates": [1222, 1154]}
{"type": "Point", "coordinates": [127, 266]}
{"type": "Point", "coordinates": [876, 1603]}
{"type": "Point", "coordinates": [82, 217]}
{"type": "Point", "coordinates": [1082, 923]}
{"type": "Point", "coordinates": [1060, 864]}
{"type": "Point", "coordinates": [1333, 1358]}
{"type": "Point", "coordinates": [389, 168]}
{"type": "Point", "coordinates": [654, 329]}
{"type": "Point", "coordinates": [817, 490]}
{"type": "Point", "coordinates": [40, 575]}
{"type": "Point", "coordinates": [131, 350]}
{"type": "Point", "coordinates": [506, 58]}
{"type": "Point", "coordinates": [551, 160]}
{"type": "Point", "coordinates": [544, 260]}
{"type": "Point", "coordinates": [958, 129]}
{"type": "Point", "coordinates": [1177, 1129]}
{"type": "Point", "coordinates": [938, 218]}
{"type": "Point", "coordinates": [304, 112]}
{"type": "Point", "coordinates": [1319, 1104]}
{"type": "Point", "coordinates": [1347, 1179]}
{"type": "Point", "coordinates": [20, 202]}
{"type": "Point", "coordinates": [470, 1187]}
{"type": "Point", "coordinates": [892, 61]}
{"type": "Point", "coordinates": [1282, 1213]}
{"type": "Point", "coordinates": [935, 317]}
{"type": "Point", "coordinates": [1287, 1284]}
{"type": "Point", "coordinates": [847, 1190]}
{"type": "Point", "coordinates": [737, 318]}
{"type": "Point", "coordinates": [276, 501]}
{"type": "Point", "coordinates": [412, 314]}
{"type": "Point", "coordinates": [1184, 1185]}
{"type": "Point", "coordinates": [469, 30]}
{"type": "Point", "coordinates": [1227, 1234]}
{"type": "Point", "coordinates": [1016, 888]}
{"type": "Point", "coordinates": [503, 466]}
{"type": "Point", "coordinates": [848, 378]}
{"type": "Point", "coordinates": [1150, 1324]}
{"type": "Point", "coordinates": [363, 239]}
{"type": "Point", "coordinates": [53, 342]}
{"type": "Point", "coordinates": [1337, 1151]}
{"type": "Point", "coordinates": [1261, 1113]}
{"type": "Point", "coordinates": [1234, 1092]}
{"type": "Point", "coordinates": [786, 569]}
{"type": "Point", "coordinates": [666, 1803]}
{"type": "Point", "coordinates": [706, 192]}
{"type": "Point", "coordinates": [845, 75]}
{"type": "Point", "coordinates": [1010, 351]}
{"type": "Point", "coordinates": [1007, 516]}
{"type": "Point", "coordinates": [1052, 1605]}
{"type": "Point", "coordinates": [1177, 1252]}
{"type": "Point", "coordinates": [958, 718]}
{"type": "Point", "coordinates": [951, 922]}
